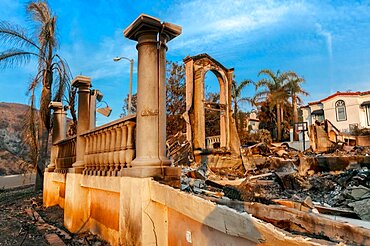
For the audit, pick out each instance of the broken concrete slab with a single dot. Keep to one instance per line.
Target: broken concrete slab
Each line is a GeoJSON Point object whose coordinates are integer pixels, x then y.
{"type": "Point", "coordinates": [305, 222]}
{"type": "Point", "coordinates": [361, 208]}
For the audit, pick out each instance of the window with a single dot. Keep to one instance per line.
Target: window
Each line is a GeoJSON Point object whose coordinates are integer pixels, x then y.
{"type": "Point", "coordinates": [340, 109]}
{"type": "Point", "coordinates": [367, 108]}
{"type": "Point", "coordinates": [319, 118]}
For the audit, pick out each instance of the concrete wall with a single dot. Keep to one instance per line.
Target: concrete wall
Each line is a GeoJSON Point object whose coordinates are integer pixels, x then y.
{"type": "Point", "coordinates": [140, 211]}
{"type": "Point", "coordinates": [54, 189]}
{"type": "Point", "coordinates": [13, 181]}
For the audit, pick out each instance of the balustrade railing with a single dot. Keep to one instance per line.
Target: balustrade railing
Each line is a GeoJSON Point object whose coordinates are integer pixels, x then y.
{"type": "Point", "coordinates": [212, 141]}
{"type": "Point", "coordinates": [66, 154]}
{"type": "Point", "coordinates": [110, 147]}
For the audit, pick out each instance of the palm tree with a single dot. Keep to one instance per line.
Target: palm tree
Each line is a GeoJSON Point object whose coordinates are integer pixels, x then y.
{"type": "Point", "coordinates": [236, 94]}
{"type": "Point", "coordinates": [294, 88]}
{"type": "Point", "coordinates": [275, 92]}
{"type": "Point", "coordinates": [52, 71]}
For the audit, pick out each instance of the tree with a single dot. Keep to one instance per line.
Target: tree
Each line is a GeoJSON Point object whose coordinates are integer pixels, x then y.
{"type": "Point", "coordinates": [275, 93]}
{"type": "Point", "coordinates": [52, 71]}
{"type": "Point", "coordinates": [212, 117]}
{"type": "Point", "coordinates": [175, 97]}
{"type": "Point", "coordinates": [295, 89]}
{"type": "Point", "coordinates": [133, 105]}
{"type": "Point", "coordinates": [236, 94]}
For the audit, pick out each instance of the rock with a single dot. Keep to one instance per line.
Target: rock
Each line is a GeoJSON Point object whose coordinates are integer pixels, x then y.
{"type": "Point", "coordinates": [292, 181]}
{"type": "Point", "coordinates": [359, 192]}
{"type": "Point", "coordinates": [306, 164]}
{"type": "Point", "coordinates": [362, 208]}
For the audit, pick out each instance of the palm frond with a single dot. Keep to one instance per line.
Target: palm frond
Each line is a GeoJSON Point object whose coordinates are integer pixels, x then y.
{"type": "Point", "coordinates": [58, 85]}
{"type": "Point", "coordinates": [15, 36]}
{"type": "Point", "coordinates": [35, 81]}
{"type": "Point", "coordinates": [263, 83]}
{"type": "Point", "coordinates": [261, 95]}
{"type": "Point", "coordinates": [31, 131]}
{"type": "Point", "coordinates": [15, 57]}
{"type": "Point", "coordinates": [246, 99]}
{"type": "Point", "coordinates": [63, 78]}
{"type": "Point", "coordinates": [39, 11]}
{"type": "Point", "coordinates": [242, 85]}
{"type": "Point", "coordinates": [269, 73]}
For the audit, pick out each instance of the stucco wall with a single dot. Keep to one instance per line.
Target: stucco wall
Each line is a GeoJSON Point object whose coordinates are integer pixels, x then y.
{"type": "Point", "coordinates": [355, 114]}
{"type": "Point", "coordinates": [352, 112]}
{"type": "Point", "coordinates": [140, 211]}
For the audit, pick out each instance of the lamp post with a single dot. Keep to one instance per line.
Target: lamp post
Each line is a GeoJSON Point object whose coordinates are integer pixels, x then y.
{"type": "Point", "coordinates": [116, 59]}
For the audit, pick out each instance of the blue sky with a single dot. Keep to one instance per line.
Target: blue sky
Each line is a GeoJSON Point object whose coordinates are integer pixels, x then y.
{"type": "Point", "coordinates": [326, 42]}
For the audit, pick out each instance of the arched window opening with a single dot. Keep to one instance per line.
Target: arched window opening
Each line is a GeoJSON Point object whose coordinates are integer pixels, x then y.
{"type": "Point", "coordinates": [212, 110]}
{"type": "Point", "coordinates": [340, 109]}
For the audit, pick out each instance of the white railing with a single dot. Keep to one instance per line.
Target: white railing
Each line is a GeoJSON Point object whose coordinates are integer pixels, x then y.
{"type": "Point", "coordinates": [211, 141]}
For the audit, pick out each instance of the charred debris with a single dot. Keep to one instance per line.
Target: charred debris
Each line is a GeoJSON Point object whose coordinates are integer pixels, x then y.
{"type": "Point", "coordinates": [319, 195]}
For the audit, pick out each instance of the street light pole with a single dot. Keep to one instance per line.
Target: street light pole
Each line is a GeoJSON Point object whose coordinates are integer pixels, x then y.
{"type": "Point", "coordinates": [116, 59]}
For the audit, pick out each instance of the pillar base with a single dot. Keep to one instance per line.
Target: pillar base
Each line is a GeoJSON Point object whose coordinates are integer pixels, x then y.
{"type": "Point", "coordinates": [144, 172]}
{"type": "Point", "coordinates": [76, 169]}
{"type": "Point", "coordinates": [168, 175]}
{"type": "Point", "coordinates": [49, 169]}
{"type": "Point", "coordinates": [162, 161]}
{"type": "Point", "coordinates": [146, 162]}
{"type": "Point", "coordinates": [165, 161]}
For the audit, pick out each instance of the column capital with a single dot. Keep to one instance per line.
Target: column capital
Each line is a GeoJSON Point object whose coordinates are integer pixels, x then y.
{"type": "Point", "coordinates": [146, 24]}
{"type": "Point", "coordinates": [81, 82]}
{"type": "Point", "coordinates": [56, 106]}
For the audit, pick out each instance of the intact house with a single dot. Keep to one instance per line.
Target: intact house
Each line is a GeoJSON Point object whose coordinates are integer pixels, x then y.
{"type": "Point", "coordinates": [252, 122]}
{"type": "Point", "coordinates": [345, 110]}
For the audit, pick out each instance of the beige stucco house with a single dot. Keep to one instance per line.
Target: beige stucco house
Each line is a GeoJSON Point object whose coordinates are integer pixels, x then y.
{"type": "Point", "coordinates": [343, 109]}
{"type": "Point", "coordinates": [252, 121]}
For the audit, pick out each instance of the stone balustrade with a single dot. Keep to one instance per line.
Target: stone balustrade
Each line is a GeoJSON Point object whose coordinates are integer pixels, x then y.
{"type": "Point", "coordinates": [66, 154]}
{"type": "Point", "coordinates": [110, 147]}
{"type": "Point", "coordinates": [210, 141]}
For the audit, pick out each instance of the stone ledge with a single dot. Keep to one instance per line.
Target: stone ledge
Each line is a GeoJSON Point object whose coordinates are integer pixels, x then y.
{"type": "Point", "coordinates": [58, 177]}
{"type": "Point", "coordinates": [111, 184]}
{"type": "Point", "coordinates": [155, 172]}
{"type": "Point", "coordinates": [77, 170]}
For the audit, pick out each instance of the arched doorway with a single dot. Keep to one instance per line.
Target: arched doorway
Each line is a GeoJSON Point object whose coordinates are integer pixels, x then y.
{"type": "Point", "coordinates": [212, 110]}
{"type": "Point", "coordinates": [196, 69]}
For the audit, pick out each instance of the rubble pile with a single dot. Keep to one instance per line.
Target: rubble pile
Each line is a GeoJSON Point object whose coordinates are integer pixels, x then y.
{"type": "Point", "coordinates": [336, 183]}
{"type": "Point", "coordinates": [179, 149]}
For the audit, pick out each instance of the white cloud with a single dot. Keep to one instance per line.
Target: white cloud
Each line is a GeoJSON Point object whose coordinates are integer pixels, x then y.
{"type": "Point", "coordinates": [97, 60]}
{"type": "Point", "coordinates": [207, 22]}
{"type": "Point", "coordinates": [328, 39]}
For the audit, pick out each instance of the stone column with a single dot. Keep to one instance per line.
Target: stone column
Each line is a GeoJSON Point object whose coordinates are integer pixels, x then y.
{"type": "Point", "coordinates": [223, 114]}
{"type": "Point", "coordinates": [83, 85]}
{"type": "Point", "coordinates": [189, 78]}
{"type": "Point", "coordinates": [151, 36]}
{"type": "Point", "coordinates": [162, 101]}
{"type": "Point", "coordinates": [92, 121]}
{"type": "Point", "coordinates": [59, 131]}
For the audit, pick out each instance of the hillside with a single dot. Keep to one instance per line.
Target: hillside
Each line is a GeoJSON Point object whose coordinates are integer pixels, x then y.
{"type": "Point", "coordinates": [13, 152]}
